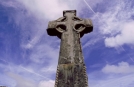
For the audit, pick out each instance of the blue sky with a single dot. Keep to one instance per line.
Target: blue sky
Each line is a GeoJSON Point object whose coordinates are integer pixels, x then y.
{"type": "Point", "coordinates": [29, 57]}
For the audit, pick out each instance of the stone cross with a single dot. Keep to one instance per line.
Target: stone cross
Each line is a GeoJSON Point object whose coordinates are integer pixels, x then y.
{"type": "Point", "coordinates": [71, 70]}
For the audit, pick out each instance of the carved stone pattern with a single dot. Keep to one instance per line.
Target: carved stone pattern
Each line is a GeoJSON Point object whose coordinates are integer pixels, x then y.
{"type": "Point", "coordinates": [71, 70]}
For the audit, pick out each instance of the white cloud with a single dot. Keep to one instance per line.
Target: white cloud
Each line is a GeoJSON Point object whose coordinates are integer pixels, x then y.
{"type": "Point", "coordinates": [26, 82]}
{"type": "Point", "coordinates": [49, 9]}
{"type": "Point", "coordinates": [6, 81]}
{"type": "Point", "coordinates": [32, 25]}
{"type": "Point", "coordinates": [121, 68]}
{"type": "Point", "coordinates": [22, 82]}
{"type": "Point", "coordinates": [9, 4]}
{"type": "Point", "coordinates": [116, 24]}
{"type": "Point", "coordinates": [125, 37]}
{"type": "Point", "coordinates": [121, 75]}
{"type": "Point", "coordinates": [17, 75]}
{"type": "Point", "coordinates": [124, 81]}
{"type": "Point", "coordinates": [44, 52]}
{"type": "Point", "coordinates": [93, 3]}
{"type": "Point", "coordinates": [30, 71]}
{"type": "Point", "coordinates": [49, 83]}
{"type": "Point", "coordinates": [46, 55]}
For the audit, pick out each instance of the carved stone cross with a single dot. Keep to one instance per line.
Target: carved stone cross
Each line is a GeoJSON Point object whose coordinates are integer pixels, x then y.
{"type": "Point", "coordinates": [71, 70]}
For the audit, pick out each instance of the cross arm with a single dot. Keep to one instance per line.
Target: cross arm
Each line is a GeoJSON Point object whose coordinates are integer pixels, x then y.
{"type": "Point", "coordinates": [83, 26]}
{"type": "Point", "coordinates": [54, 28]}
{"type": "Point", "coordinates": [88, 26]}
{"type": "Point", "coordinates": [51, 30]}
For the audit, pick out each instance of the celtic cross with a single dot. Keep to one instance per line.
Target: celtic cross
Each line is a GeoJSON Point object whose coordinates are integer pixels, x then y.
{"type": "Point", "coordinates": [71, 70]}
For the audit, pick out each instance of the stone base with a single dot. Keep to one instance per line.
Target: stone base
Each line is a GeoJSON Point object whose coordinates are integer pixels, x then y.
{"type": "Point", "coordinates": [71, 75]}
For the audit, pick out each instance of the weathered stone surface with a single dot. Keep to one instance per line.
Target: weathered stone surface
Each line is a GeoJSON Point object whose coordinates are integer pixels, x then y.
{"type": "Point", "coordinates": [71, 71]}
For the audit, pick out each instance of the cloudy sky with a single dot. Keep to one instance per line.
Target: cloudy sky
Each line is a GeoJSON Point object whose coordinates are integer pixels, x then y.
{"type": "Point", "coordinates": [29, 57]}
